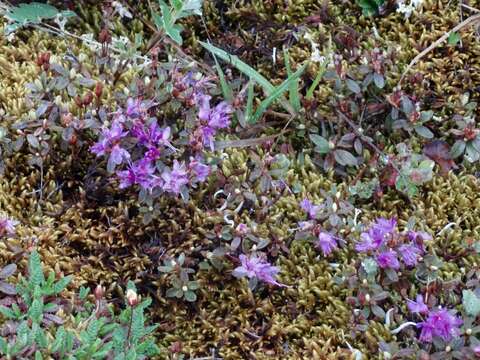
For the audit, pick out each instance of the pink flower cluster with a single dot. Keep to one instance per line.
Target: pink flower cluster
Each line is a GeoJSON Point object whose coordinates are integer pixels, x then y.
{"type": "Point", "coordinates": [256, 267]}
{"type": "Point", "coordinates": [438, 323]}
{"type": "Point", "coordinates": [139, 149]}
{"type": "Point", "coordinates": [390, 247]}
{"type": "Point", "coordinates": [326, 241]}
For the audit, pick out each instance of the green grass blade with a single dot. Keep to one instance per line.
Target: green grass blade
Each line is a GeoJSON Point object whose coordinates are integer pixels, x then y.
{"type": "Point", "coordinates": [226, 88]}
{"type": "Point", "coordinates": [315, 83]}
{"type": "Point", "coordinates": [241, 66]}
{"type": "Point", "coordinates": [293, 89]}
{"type": "Point", "coordinates": [249, 110]}
{"type": "Point", "coordinates": [248, 71]}
{"type": "Point", "coordinates": [277, 93]}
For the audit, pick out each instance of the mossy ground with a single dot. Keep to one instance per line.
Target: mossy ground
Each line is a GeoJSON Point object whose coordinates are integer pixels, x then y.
{"type": "Point", "coordinates": [101, 239]}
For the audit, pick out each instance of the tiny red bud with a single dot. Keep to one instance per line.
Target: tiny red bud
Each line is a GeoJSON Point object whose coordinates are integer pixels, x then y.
{"type": "Point", "coordinates": [87, 99]}
{"type": "Point", "coordinates": [98, 89]}
{"type": "Point", "coordinates": [78, 101]}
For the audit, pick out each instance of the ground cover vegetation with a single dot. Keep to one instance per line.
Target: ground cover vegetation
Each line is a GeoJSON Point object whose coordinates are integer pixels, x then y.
{"type": "Point", "coordinates": [192, 179]}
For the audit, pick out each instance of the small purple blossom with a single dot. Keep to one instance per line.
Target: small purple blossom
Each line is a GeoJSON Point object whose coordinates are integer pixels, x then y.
{"type": "Point", "coordinates": [242, 229]}
{"type": "Point", "coordinates": [7, 226]}
{"type": "Point", "coordinates": [134, 107]}
{"type": "Point", "coordinates": [368, 242]}
{"type": "Point", "coordinates": [175, 178]}
{"type": "Point", "coordinates": [417, 307]}
{"type": "Point", "coordinates": [256, 267]}
{"type": "Point", "coordinates": [117, 155]}
{"type": "Point", "coordinates": [110, 138]}
{"type": "Point", "coordinates": [326, 242]}
{"type": "Point", "coordinates": [419, 238]}
{"type": "Point", "coordinates": [440, 323]}
{"type": "Point", "coordinates": [141, 173]}
{"type": "Point", "coordinates": [388, 259]}
{"type": "Point", "coordinates": [309, 208]}
{"type": "Point", "coordinates": [216, 118]}
{"type": "Point", "coordinates": [385, 226]}
{"type": "Point", "coordinates": [409, 254]}
{"type": "Point", "coordinates": [199, 170]}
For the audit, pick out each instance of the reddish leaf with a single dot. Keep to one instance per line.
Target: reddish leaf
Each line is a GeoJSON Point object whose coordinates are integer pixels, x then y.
{"type": "Point", "coordinates": [439, 151]}
{"type": "Point", "coordinates": [388, 177]}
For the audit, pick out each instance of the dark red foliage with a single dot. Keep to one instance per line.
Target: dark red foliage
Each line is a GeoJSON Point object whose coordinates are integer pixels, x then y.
{"type": "Point", "coordinates": [439, 151]}
{"type": "Point", "coordinates": [388, 177]}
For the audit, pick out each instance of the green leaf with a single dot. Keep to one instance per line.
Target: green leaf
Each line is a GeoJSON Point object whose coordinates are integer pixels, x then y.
{"type": "Point", "coordinates": [344, 158]}
{"type": "Point", "coordinates": [7, 312]}
{"type": "Point", "coordinates": [353, 86]}
{"type": "Point", "coordinates": [190, 296]}
{"type": "Point", "coordinates": [241, 66]}
{"type": "Point", "coordinates": [471, 303]}
{"type": "Point", "coordinates": [294, 91]}
{"type": "Point", "coordinates": [36, 310]}
{"type": "Point", "coordinates": [322, 145]}
{"type": "Point", "coordinates": [32, 13]}
{"type": "Point", "coordinates": [61, 284]}
{"type": "Point", "coordinates": [370, 266]}
{"type": "Point", "coordinates": [454, 38]}
{"type": "Point", "coordinates": [423, 131]}
{"type": "Point", "coordinates": [249, 109]}
{"type": "Point", "coordinates": [137, 328]}
{"type": "Point", "coordinates": [277, 93]}
{"type": "Point", "coordinates": [36, 277]}
{"type": "Point", "coordinates": [457, 149]}
{"type": "Point", "coordinates": [38, 355]}
{"type": "Point", "coordinates": [227, 91]}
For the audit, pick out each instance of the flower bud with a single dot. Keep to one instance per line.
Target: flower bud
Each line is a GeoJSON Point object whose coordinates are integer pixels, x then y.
{"type": "Point", "coordinates": [132, 297]}
{"type": "Point", "coordinates": [99, 292]}
{"type": "Point", "coordinates": [98, 89]}
{"type": "Point", "coordinates": [87, 99]}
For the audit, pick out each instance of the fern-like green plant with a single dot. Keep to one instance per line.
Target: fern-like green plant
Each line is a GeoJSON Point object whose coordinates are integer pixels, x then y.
{"type": "Point", "coordinates": [32, 13]}
{"type": "Point", "coordinates": [96, 333]}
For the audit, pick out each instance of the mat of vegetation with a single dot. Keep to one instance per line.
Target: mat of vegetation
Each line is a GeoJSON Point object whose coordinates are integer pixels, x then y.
{"type": "Point", "coordinates": [188, 179]}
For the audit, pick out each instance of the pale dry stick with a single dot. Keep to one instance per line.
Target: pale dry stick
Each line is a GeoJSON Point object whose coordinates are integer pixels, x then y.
{"type": "Point", "coordinates": [468, 21]}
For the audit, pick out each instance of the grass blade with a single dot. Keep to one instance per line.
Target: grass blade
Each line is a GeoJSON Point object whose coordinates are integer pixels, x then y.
{"type": "Point", "coordinates": [293, 89]}
{"type": "Point", "coordinates": [248, 71]}
{"type": "Point", "coordinates": [277, 93]}
{"type": "Point", "coordinates": [249, 109]}
{"type": "Point", "coordinates": [226, 88]}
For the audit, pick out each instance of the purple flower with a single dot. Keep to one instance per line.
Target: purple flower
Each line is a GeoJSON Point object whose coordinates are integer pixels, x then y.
{"type": "Point", "coordinates": [176, 178]}
{"type": "Point", "coordinates": [110, 137]}
{"type": "Point", "coordinates": [207, 134]}
{"type": "Point", "coordinates": [326, 242]}
{"type": "Point", "coordinates": [7, 226]}
{"type": "Point", "coordinates": [153, 135]}
{"type": "Point", "coordinates": [417, 307]}
{"type": "Point", "coordinates": [200, 171]}
{"type": "Point", "coordinates": [134, 107]}
{"type": "Point", "coordinates": [141, 173]}
{"type": "Point", "coordinates": [440, 323]}
{"type": "Point", "coordinates": [370, 241]}
{"type": "Point", "coordinates": [409, 254]}
{"type": "Point", "coordinates": [418, 238]}
{"type": "Point", "coordinates": [117, 155]}
{"type": "Point", "coordinates": [216, 118]}
{"type": "Point", "coordinates": [309, 208]}
{"type": "Point", "coordinates": [110, 145]}
{"type": "Point", "coordinates": [242, 229]}
{"type": "Point", "coordinates": [385, 226]}
{"type": "Point", "coordinates": [256, 267]}
{"type": "Point", "coordinates": [388, 259]}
